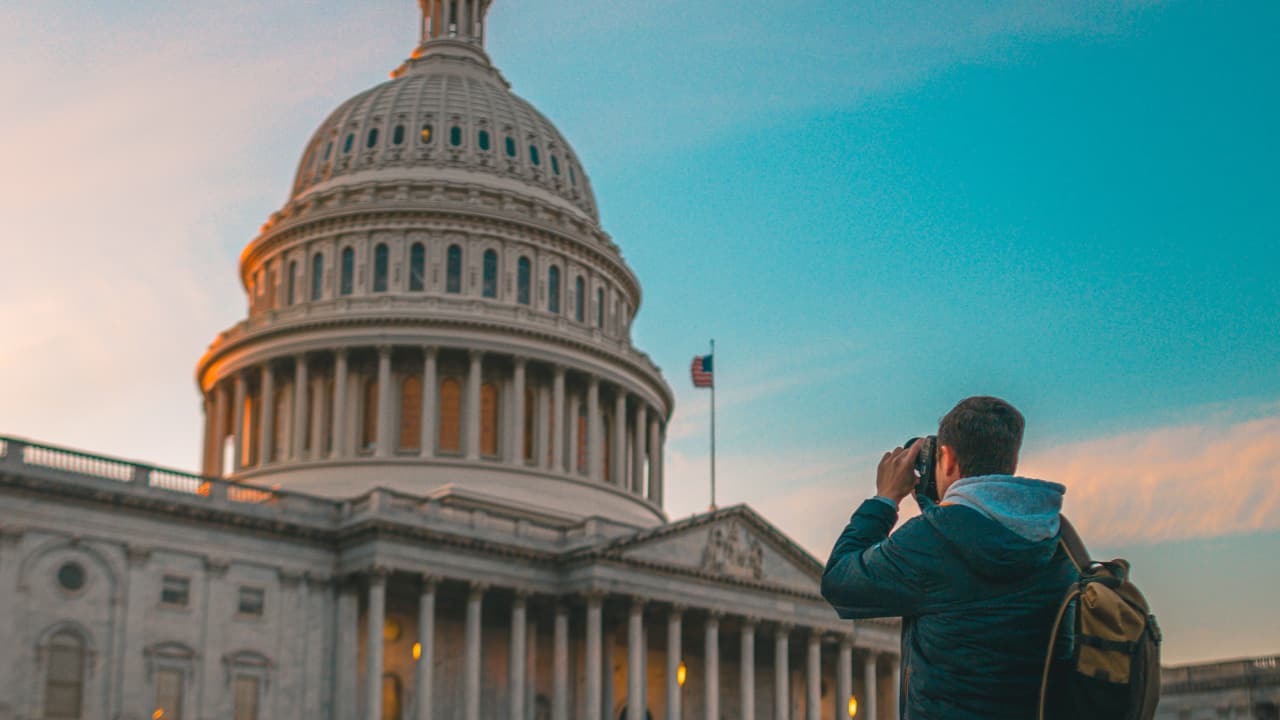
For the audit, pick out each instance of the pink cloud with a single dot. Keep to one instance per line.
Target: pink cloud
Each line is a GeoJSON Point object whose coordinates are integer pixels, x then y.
{"type": "Point", "coordinates": [1218, 477]}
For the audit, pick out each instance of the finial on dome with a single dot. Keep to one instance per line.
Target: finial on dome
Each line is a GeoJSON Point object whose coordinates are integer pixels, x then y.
{"type": "Point", "coordinates": [461, 20]}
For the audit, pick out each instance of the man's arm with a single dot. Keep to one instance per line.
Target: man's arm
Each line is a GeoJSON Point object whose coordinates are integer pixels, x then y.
{"type": "Point", "coordinates": [871, 574]}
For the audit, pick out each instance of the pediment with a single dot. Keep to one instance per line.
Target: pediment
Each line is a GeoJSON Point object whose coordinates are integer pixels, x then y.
{"type": "Point", "coordinates": [735, 545]}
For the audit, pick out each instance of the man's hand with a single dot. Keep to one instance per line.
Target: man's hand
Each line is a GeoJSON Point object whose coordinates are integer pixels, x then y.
{"type": "Point", "coordinates": [896, 476]}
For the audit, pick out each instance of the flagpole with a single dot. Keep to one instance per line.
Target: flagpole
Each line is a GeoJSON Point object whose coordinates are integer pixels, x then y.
{"type": "Point", "coordinates": [713, 424]}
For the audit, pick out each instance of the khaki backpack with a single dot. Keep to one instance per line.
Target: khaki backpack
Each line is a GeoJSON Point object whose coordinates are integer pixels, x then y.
{"type": "Point", "coordinates": [1105, 663]}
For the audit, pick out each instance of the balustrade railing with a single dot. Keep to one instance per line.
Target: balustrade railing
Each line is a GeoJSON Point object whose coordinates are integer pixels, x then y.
{"type": "Point", "coordinates": [1230, 673]}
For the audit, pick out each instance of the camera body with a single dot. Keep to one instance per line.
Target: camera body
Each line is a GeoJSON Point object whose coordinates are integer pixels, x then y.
{"type": "Point", "coordinates": [926, 467]}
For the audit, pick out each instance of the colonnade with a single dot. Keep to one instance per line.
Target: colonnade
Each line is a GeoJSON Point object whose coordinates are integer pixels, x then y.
{"type": "Point", "coordinates": [479, 406]}
{"type": "Point", "coordinates": [596, 703]}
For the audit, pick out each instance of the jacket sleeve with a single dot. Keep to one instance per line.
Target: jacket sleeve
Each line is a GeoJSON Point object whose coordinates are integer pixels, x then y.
{"type": "Point", "coordinates": [873, 574]}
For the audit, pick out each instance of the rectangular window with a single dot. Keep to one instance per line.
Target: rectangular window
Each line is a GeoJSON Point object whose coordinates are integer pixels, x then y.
{"type": "Point", "coordinates": [246, 698]}
{"type": "Point", "coordinates": [168, 695]}
{"type": "Point", "coordinates": [175, 590]}
{"type": "Point", "coordinates": [252, 601]}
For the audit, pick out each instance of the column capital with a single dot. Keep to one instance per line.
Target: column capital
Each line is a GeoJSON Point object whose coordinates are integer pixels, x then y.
{"type": "Point", "coordinates": [750, 621]}
{"type": "Point", "coordinates": [377, 573]}
{"type": "Point", "coordinates": [341, 351]}
{"type": "Point", "coordinates": [638, 602]}
{"type": "Point", "coordinates": [520, 361]}
{"type": "Point", "coordinates": [430, 350]}
{"type": "Point", "coordinates": [558, 370]}
{"type": "Point", "coordinates": [477, 589]}
{"type": "Point", "coordinates": [713, 614]}
{"type": "Point", "coordinates": [300, 357]}
{"type": "Point", "coordinates": [429, 582]}
{"type": "Point", "coordinates": [594, 595]}
{"type": "Point", "coordinates": [677, 609]}
{"type": "Point", "coordinates": [521, 594]}
{"type": "Point", "coordinates": [846, 642]}
{"type": "Point", "coordinates": [783, 628]}
{"type": "Point", "coordinates": [384, 349]}
{"type": "Point", "coordinates": [475, 354]}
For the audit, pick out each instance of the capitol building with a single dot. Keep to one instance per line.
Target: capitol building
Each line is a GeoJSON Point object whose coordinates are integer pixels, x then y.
{"type": "Point", "coordinates": [432, 480]}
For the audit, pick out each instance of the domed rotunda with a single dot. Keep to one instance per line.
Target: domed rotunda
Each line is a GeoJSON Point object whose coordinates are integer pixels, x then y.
{"type": "Point", "coordinates": [437, 311]}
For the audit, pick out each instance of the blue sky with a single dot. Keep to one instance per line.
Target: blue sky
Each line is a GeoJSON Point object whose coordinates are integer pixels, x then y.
{"type": "Point", "coordinates": [875, 208]}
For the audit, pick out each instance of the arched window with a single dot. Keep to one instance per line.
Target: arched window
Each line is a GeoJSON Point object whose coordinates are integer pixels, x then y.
{"type": "Point", "coordinates": [417, 267]}
{"type": "Point", "coordinates": [573, 177]}
{"type": "Point", "coordinates": [524, 271]}
{"type": "Point", "coordinates": [455, 136]}
{"type": "Point", "coordinates": [328, 151]}
{"type": "Point", "coordinates": [553, 290]}
{"type": "Point", "coordinates": [580, 462]}
{"type": "Point", "coordinates": [348, 271]}
{"type": "Point", "coordinates": [425, 135]}
{"type": "Point", "coordinates": [450, 439]}
{"type": "Point", "coordinates": [411, 413]}
{"type": "Point", "coordinates": [293, 274]}
{"type": "Point", "coordinates": [453, 271]}
{"type": "Point", "coordinates": [533, 155]}
{"type": "Point", "coordinates": [489, 420]}
{"type": "Point", "coordinates": [373, 138]}
{"type": "Point", "coordinates": [380, 268]}
{"type": "Point", "coordinates": [490, 274]}
{"type": "Point", "coordinates": [600, 307]}
{"type": "Point", "coordinates": [64, 677]}
{"type": "Point", "coordinates": [511, 146]}
{"type": "Point", "coordinates": [397, 135]}
{"type": "Point", "coordinates": [530, 413]}
{"type": "Point", "coordinates": [484, 140]}
{"type": "Point", "coordinates": [346, 144]}
{"type": "Point", "coordinates": [317, 276]}
{"type": "Point", "coordinates": [369, 416]}
{"type": "Point", "coordinates": [579, 300]}
{"type": "Point", "coordinates": [555, 165]}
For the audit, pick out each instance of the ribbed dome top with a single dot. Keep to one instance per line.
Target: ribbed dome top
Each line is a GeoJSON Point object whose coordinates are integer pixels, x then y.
{"type": "Point", "coordinates": [442, 116]}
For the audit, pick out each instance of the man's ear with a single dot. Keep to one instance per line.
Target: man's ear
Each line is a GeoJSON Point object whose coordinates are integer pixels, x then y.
{"type": "Point", "coordinates": [948, 465]}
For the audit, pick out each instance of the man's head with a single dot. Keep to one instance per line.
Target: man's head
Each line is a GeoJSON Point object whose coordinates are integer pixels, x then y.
{"type": "Point", "coordinates": [980, 436]}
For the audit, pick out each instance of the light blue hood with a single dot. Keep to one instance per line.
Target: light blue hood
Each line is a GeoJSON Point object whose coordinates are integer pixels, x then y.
{"type": "Point", "coordinates": [1029, 508]}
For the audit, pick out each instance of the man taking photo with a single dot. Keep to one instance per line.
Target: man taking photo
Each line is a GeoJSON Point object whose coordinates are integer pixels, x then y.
{"type": "Point", "coordinates": [975, 578]}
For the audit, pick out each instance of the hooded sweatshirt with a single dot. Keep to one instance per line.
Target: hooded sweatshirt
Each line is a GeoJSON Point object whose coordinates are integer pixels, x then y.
{"type": "Point", "coordinates": [976, 579]}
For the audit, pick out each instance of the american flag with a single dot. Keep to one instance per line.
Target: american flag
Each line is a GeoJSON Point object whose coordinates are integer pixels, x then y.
{"type": "Point", "coordinates": [701, 371]}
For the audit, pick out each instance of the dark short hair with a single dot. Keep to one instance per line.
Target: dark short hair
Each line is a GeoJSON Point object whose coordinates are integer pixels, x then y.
{"type": "Point", "coordinates": [985, 433]}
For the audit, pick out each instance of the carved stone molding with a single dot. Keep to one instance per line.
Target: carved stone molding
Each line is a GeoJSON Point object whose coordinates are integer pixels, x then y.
{"type": "Point", "coordinates": [732, 551]}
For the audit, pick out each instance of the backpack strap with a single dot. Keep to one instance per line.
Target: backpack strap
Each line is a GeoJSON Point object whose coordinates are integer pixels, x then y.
{"type": "Point", "coordinates": [1070, 541]}
{"type": "Point", "coordinates": [1053, 641]}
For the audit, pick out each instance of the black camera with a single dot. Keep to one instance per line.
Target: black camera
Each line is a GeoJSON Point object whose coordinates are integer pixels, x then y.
{"type": "Point", "coordinates": [925, 465]}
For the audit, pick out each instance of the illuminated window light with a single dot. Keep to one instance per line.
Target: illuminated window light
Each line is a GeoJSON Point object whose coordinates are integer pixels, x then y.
{"type": "Point", "coordinates": [417, 651]}
{"type": "Point", "coordinates": [853, 706]}
{"type": "Point", "coordinates": [682, 674]}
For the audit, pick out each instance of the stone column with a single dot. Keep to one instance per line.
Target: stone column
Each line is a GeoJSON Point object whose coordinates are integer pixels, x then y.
{"type": "Point", "coordinates": [595, 464]}
{"type": "Point", "coordinates": [471, 677]}
{"type": "Point", "coordinates": [338, 445]}
{"type": "Point", "coordinates": [531, 668]}
{"type": "Point", "coordinates": [639, 426]}
{"type": "Point", "coordinates": [619, 469]}
{"type": "Point", "coordinates": [384, 440]}
{"type": "Point", "coordinates": [662, 463]}
{"type": "Point", "coordinates": [813, 678]}
{"type": "Point", "coordinates": [542, 429]}
{"type": "Point", "coordinates": [844, 677]}
{"type": "Point", "coordinates": [375, 619]}
{"type": "Point", "coordinates": [242, 390]}
{"type": "Point", "coordinates": [517, 663]}
{"type": "Point", "coordinates": [747, 669]}
{"type": "Point", "coordinates": [220, 433]}
{"type": "Point", "coordinates": [345, 685]}
{"type": "Point", "coordinates": [595, 603]}
{"type": "Point", "coordinates": [266, 414]}
{"type": "Point", "coordinates": [560, 665]}
{"type": "Point", "coordinates": [636, 675]}
{"type": "Point", "coordinates": [427, 641]}
{"type": "Point", "coordinates": [655, 450]}
{"type": "Point", "coordinates": [516, 446]}
{"type": "Point", "coordinates": [471, 408]}
{"type": "Point", "coordinates": [781, 674]}
{"type": "Point", "coordinates": [574, 403]}
{"type": "Point", "coordinates": [674, 658]}
{"type": "Point", "coordinates": [557, 424]}
{"type": "Point", "coordinates": [300, 399]}
{"type": "Point", "coordinates": [427, 415]}
{"type": "Point", "coordinates": [711, 657]}
{"type": "Point", "coordinates": [870, 701]}
{"type": "Point", "coordinates": [895, 701]}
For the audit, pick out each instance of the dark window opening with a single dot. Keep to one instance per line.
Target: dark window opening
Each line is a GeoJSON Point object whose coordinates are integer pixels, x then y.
{"type": "Point", "coordinates": [553, 290]}
{"type": "Point", "coordinates": [397, 135]}
{"type": "Point", "coordinates": [348, 271]}
{"type": "Point", "coordinates": [490, 274]}
{"type": "Point", "coordinates": [523, 272]}
{"type": "Point", "coordinates": [533, 155]}
{"type": "Point", "coordinates": [417, 267]}
{"type": "Point", "coordinates": [346, 145]}
{"type": "Point", "coordinates": [380, 268]}
{"type": "Point", "coordinates": [455, 136]}
{"type": "Point", "coordinates": [484, 140]}
{"type": "Point", "coordinates": [511, 147]}
{"type": "Point", "coordinates": [373, 138]}
{"type": "Point", "coordinates": [453, 273]}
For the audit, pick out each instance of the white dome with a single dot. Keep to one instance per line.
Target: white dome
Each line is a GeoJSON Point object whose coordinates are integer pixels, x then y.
{"type": "Point", "coordinates": [442, 116]}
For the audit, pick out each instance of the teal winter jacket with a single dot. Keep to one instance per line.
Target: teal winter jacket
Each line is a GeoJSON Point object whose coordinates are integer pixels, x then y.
{"type": "Point", "coordinates": [976, 580]}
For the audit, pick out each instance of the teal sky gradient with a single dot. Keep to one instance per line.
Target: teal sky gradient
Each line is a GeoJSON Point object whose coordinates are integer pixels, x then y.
{"type": "Point", "coordinates": [876, 209]}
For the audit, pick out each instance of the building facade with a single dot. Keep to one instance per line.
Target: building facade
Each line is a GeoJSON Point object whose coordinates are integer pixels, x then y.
{"type": "Point", "coordinates": [432, 478]}
{"type": "Point", "coordinates": [1231, 690]}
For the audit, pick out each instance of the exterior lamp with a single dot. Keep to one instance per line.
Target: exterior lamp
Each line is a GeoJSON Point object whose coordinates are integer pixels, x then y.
{"type": "Point", "coordinates": [853, 705]}
{"type": "Point", "coordinates": [682, 674]}
{"type": "Point", "coordinates": [417, 651]}
{"type": "Point", "coordinates": [159, 713]}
